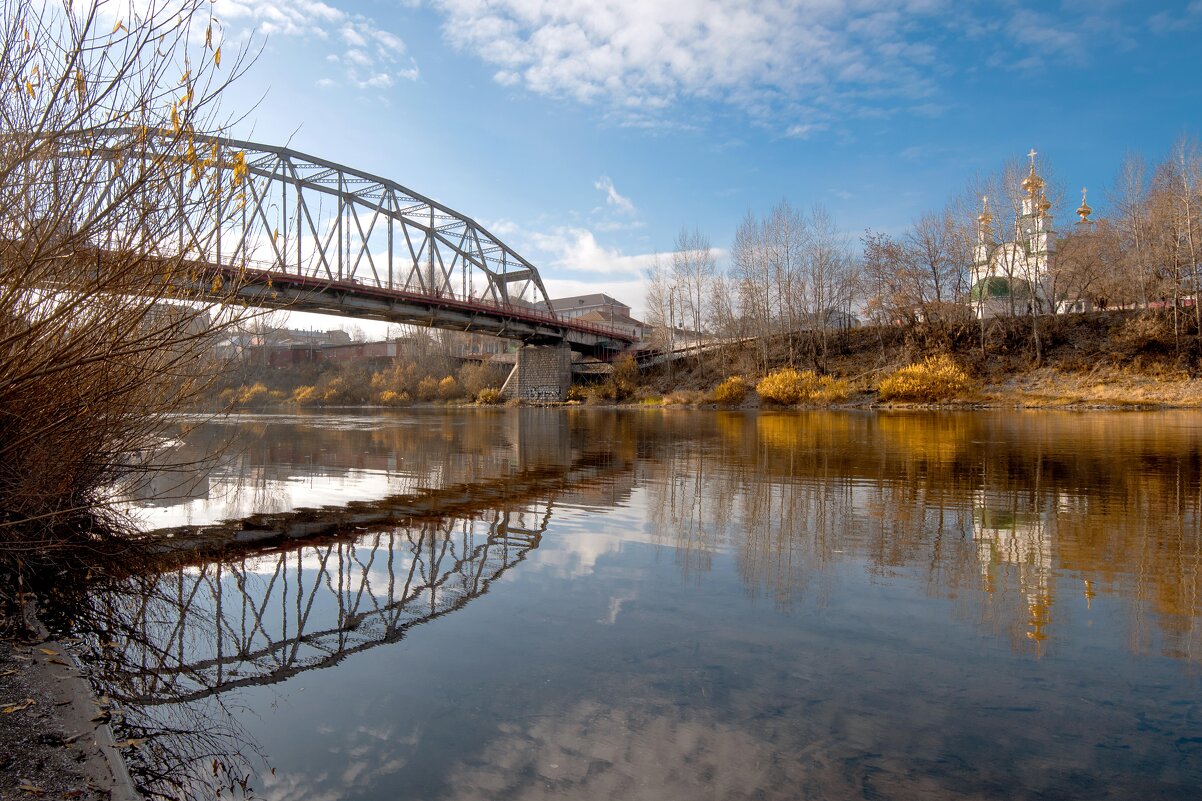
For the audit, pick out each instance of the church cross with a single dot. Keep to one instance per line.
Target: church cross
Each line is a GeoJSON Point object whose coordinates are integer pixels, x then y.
{"type": "Point", "coordinates": [1032, 156]}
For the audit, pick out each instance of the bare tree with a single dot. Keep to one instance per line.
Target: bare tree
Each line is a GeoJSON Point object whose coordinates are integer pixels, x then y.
{"type": "Point", "coordinates": [1128, 198]}
{"type": "Point", "coordinates": [693, 271]}
{"type": "Point", "coordinates": [750, 268]}
{"type": "Point", "coordinates": [101, 161]}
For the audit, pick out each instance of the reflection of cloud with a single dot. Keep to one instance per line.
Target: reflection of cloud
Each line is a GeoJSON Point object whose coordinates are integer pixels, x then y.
{"type": "Point", "coordinates": [359, 759]}
{"type": "Point", "coordinates": [615, 607]}
{"type": "Point", "coordinates": [595, 751]}
{"type": "Point", "coordinates": [577, 556]}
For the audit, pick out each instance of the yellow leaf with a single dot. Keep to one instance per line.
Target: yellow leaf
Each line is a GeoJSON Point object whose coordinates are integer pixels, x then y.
{"type": "Point", "coordinates": [209, 35]}
{"type": "Point", "coordinates": [81, 84]}
{"type": "Point", "coordinates": [48, 652]}
{"type": "Point", "coordinates": [120, 26]}
{"type": "Point", "coordinates": [36, 72]}
{"type": "Point", "coordinates": [29, 89]}
{"type": "Point", "coordinates": [17, 707]}
{"type": "Point", "coordinates": [217, 57]}
{"type": "Point", "coordinates": [32, 789]}
{"type": "Point", "coordinates": [132, 742]}
{"type": "Point", "coordinates": [184, 78]}
{"type": "Point", "coordinates": [174, 120]}
{"type": "Point", "coordinates": [217, 283]}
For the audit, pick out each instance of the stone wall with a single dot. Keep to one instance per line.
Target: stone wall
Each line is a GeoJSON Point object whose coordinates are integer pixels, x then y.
{"type": "Point", "coordinates": [543, 374]}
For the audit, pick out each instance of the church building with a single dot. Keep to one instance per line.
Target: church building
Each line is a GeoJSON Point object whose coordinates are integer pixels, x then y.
{"type": "Point", "coordinates": [1012, 277]}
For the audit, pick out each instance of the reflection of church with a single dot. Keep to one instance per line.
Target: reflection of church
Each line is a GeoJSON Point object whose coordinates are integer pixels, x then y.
{"type": "Point", "coordinates": [1016, 542]}
{"type": "Point", "coordinates": [1013, 277]}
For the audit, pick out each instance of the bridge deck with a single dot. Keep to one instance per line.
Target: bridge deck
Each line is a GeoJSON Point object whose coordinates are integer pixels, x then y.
{"type": "Point", "coordinates": [357, 299]}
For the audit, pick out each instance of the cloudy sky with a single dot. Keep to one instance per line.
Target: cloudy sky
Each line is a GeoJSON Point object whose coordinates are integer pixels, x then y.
{"type": "Point", "coordinates": [586, 133]}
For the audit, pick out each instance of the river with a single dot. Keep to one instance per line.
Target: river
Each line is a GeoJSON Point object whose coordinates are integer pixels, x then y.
{"type": "Point", "coordinates": [667, 604]}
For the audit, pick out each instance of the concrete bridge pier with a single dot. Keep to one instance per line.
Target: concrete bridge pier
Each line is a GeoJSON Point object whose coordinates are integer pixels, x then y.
{"type": "Point", "coordinates": [542, 374]}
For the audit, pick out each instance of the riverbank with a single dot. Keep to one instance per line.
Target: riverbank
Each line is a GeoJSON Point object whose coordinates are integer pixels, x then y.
{"type": "Point", "coordinates": [57, 743]}
{"type": "Point", "coordinates": [1106, 359]}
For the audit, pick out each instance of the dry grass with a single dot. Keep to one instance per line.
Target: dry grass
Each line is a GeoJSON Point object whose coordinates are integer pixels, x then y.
{"type": "Point", "coordinates": [1113, 386]}
{"type": "Point", "coordinates": [934, 379]}
{"type": "Point", "coordinates": [684, 397]}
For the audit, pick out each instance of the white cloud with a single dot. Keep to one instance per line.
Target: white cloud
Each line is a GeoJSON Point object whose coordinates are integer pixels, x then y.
{"type": "Point", "coordinates": [640, 57]}
{"type": "Point", "coordinates": [577, 250]}
{"type": "Point", "coordinates": [777, 60]}
{"type": "Point", "coordinates": [572, 262]}
{"type": "Point", "coordinates": [612, 197]}
{"type": "Point", "coordinates": [802, 130]}
{"type": "Point", "coordinates": [370, 57]}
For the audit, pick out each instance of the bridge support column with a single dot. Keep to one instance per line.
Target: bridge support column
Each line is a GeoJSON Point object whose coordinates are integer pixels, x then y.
{"type": "Point", "coordinates": [543, 374]}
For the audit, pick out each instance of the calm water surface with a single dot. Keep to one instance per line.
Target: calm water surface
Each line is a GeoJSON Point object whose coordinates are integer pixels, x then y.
{"type": "Point", "coordinates": [662, 604]}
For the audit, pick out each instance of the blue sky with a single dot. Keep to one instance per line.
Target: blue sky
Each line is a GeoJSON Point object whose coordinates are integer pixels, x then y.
{"type": "Point", "coordinates": [586, 134]}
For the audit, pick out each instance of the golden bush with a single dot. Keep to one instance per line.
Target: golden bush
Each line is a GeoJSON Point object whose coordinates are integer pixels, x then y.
{"type": "Point", "coordinates": [489, 396]}
{"type": "Point", "coordinates": [788, 387]}
{"type": "Point", "coordinates": [391, 397]}
{"type": "Point", "coordinates": [427, 388]}
{"type": "Point", "coordinates": [731, 392]}
{"type": "Point", "coordinates": [936, 378]}
{"type": "Point", "coordinates": [306, 396]}
{"type": "Point", "coordinates": [254, 395]}
{"type": "Point", "coordinates": [448, 388]}
{"type": "Point", "coordinates": [334, 390]}
{"type": "Point", "coordinates": [623, 382]}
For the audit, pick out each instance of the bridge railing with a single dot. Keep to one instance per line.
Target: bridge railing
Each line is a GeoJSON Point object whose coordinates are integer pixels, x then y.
{"type": "Point", "coordinates": [270, 272]}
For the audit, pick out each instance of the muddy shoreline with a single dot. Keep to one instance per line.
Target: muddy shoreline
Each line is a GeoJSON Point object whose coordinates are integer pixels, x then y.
{"type": "Point", "coordinates": [55, 730]}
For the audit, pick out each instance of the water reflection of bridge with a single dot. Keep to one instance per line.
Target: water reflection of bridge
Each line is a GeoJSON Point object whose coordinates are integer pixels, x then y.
{"type": "Point", "coordinates": [262, 599]}
{"type": "Point", "coordinates": [203, 630]}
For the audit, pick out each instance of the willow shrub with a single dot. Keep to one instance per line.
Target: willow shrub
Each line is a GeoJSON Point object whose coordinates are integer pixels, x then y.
{"type": "Point", "coordinates": [788, 387]}
{"type": "Point", "coordinates": [934, 379]}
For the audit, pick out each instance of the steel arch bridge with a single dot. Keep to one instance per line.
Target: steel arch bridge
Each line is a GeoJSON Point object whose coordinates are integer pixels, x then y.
{"type": "Point", "coordinates": [303, 233]}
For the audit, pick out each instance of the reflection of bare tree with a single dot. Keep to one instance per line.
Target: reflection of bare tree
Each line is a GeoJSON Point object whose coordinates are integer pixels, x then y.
{"type": "Point", "coordinates": [999, 512]}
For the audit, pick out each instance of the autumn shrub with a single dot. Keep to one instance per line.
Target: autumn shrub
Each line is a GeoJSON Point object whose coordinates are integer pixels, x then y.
{"type": "Point", "coordinates": [936, 378]}
{"type": "Point", "coordinates": [448, 388]}
{"type": "Point", "coordinates": [427, 388]}
{"type": "Point", "coordinates": [788, 387]}
{"type": "Point", "coordinates": [489, 396]}
{"type": "Point", "coordinates": [623, 381]}
{"type": "Point", "coordinates": [401, 377]}
{"type": "Point", "coordinates": [578, 393]}
{"type": "Point", "coordinates": [731, 392]}
{"type": "Point", "coordinates": [306, 396]}
{"type": "Point", "coordinates": [254, 395]}
{"type": "Point", "coordinates": [391, 397]}
{"type": "Point", "coordinates": [475, 377]}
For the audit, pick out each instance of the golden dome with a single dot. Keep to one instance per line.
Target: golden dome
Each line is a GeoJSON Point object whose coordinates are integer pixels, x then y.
{"type": "Point", "coordinates": [985, 218]}
{"type": "Point", "coordinates": [1083, 211]}
{"type": "Point", "coordinates": [1032, 183]}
